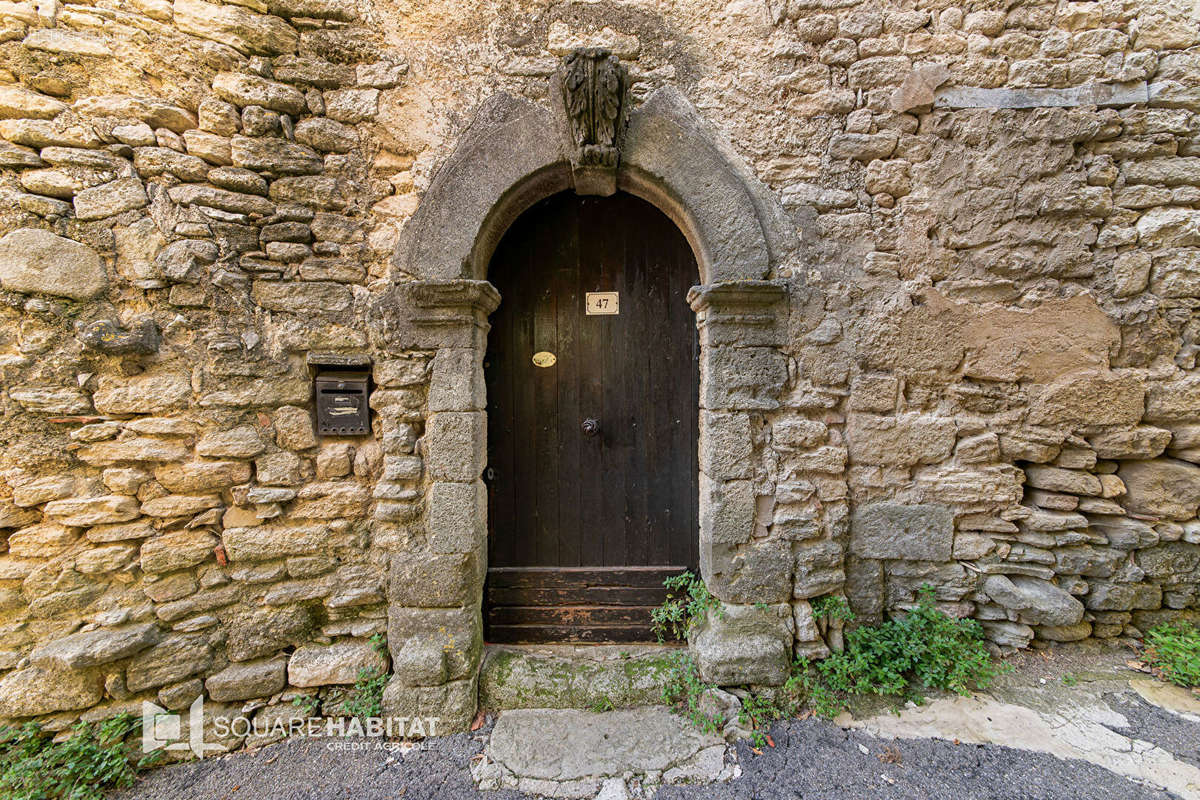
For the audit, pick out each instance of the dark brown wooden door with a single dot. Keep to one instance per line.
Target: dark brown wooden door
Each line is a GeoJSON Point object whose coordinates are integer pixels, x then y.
{"type": "Point", "coordinates": [591, 460]}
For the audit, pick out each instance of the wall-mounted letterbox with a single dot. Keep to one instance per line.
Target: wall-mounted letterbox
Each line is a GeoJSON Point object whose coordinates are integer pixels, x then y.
{"type": "Point", "coordinates": [342, 403]}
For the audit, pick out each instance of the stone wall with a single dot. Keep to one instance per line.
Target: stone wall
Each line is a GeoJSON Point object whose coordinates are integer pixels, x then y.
{"type": "Point", "coordinates": [981, 373]}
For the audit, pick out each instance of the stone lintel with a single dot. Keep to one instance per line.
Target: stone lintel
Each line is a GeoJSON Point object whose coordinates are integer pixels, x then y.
{"type": "Point", "coordinates": [338, 360]}
{"type": "Point", "coordinates": [1091, 94]}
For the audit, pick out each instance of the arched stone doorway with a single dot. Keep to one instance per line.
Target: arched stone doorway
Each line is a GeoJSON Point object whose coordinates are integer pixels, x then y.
{"type": "Point", "coordinates": [513, 155]}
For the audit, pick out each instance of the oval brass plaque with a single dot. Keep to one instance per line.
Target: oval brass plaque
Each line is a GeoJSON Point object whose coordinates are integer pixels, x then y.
{"type": "Point", "coordinates": [544, 359]}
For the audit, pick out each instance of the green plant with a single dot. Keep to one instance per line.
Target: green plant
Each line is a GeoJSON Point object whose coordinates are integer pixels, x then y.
{"type": "Point", "coordinates": [832, 607]}
{"type": "Point", "coordinates": [758, 712]}
{"type": "Point", "coordinates": [1070, 679]}
{"type": "Point", "coordinates": [688, 602]}
{"type": "Point", "coordinates": [604, 703]}
{"type": "Point", "coordinates": [366, 698]}
{"type": "Point", "coordinates": [807, 685]}
{"type": "Point", "coordinates": [94, 759]}
{"type": "Point", "coordinates": [683, 690]}
{"type": "Point", "coordinates": [924, 649]}
{"type": "Point", "coordinates": [308, 702]}
{"type": "Point", "coordinates": [1174, 649]}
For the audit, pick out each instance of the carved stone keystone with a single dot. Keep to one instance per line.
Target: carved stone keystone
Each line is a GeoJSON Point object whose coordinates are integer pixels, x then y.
{"type": "Point", "coordinates": [594, 88]}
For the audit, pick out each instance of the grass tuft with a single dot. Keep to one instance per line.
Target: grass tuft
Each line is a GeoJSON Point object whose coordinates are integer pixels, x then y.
{"type": "Point", "coordinates": [688, 603]}
{"type": "Point", "coordinates": [1174, 650]}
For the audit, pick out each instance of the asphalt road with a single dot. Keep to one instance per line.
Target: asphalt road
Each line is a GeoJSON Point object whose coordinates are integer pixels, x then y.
{"type": "Point", "coordinates": [812, 759]}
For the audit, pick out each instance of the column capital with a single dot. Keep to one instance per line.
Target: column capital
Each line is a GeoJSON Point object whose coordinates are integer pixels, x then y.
{"type": "Point", "coordinates": [735, 294]}
{"type": "Point", "coordinates": [459, 293]}
{"type": "Point", "coordinates": [741, 313]}
{"type": "Point", "coordinates": [427, 315]}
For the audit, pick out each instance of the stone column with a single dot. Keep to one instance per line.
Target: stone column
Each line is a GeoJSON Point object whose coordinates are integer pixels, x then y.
{"type": "Point", "coordinates": [435, 584]}
{"type": "Point", "coordinates": [743, 326]}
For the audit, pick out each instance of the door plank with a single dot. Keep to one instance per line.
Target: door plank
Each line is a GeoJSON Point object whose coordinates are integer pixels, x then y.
{"type": "Point", "coordinates": [524, 547]}
{"type": "Point", "coordinates": [544, 421]}
{"type": "Point", "coordinates": [568, 302]}
{"type": "Point", "coordinates": [594, 373]}
{"type": "Point", "coordinates": [590, 634]}
{"type": "Point", "coordinates": [570, 615]}
{"type": "Point", "coordinates": [552, 577]}
{"type": "Point", "coordinates": [574, 596]}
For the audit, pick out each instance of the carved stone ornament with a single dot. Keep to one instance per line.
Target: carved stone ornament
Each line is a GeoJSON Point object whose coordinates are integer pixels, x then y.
{"type": "Point", "coordinates": [595, 91]}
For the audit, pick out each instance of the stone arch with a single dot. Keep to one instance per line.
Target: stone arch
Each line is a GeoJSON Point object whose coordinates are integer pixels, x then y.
{"type": "Point", "coordinates": [513, 155]}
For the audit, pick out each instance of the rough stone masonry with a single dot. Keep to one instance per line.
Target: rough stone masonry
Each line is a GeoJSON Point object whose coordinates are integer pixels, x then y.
{"type": "Point", "coordinates": [970, 359]}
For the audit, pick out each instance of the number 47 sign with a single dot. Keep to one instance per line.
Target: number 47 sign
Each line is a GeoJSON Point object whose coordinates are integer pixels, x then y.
{"type": "Point", "coordinates": [602, 303]}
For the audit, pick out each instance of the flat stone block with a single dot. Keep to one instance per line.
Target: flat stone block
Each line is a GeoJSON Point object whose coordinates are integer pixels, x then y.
{"type": "Point", "coordinates": [566, 676]}
{"type": "Point", "coordinates": [820, 569]}
{"type": "Point", "coordinates": [1093, 94]}
{"type": "Point", "coordinates": [748, 378]}
{"type": "Point", "coordinates": [759, 572]}
{"type": "Point", "coordinates": [36, 690]}
{"type": "Point", "coordinates": [342, 662]}
{"type": "Point", "coordinates": [457, 383]}
{"type": "Point", "coordinates": [94, 648]}
{"type": "Point", "coordinates": [454, 518]}
{"type": "Point", "coordinates": [725, 445]}
{"type": "Point", "coordinates": [572, 751]}
{"type": "Point", "coordinates": [419, 636]}
{"type": "Point", "coordinates": [435, 580]}
{"type": "Point", "coordinates": [455, 445]}
{"type": "Point", "coordinates": [744, 644]}
{"type": "Point", "coordinates": [248, 680]}
{"type": "Point", "coordinates": [894, 530]}
{"type": "Point", "coordinates": [727, 511]}
{"type": "Point", "coordinates": [452, 705]}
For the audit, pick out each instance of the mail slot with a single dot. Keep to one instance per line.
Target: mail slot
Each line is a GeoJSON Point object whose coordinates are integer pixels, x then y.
{"type": "Point", "coordinates": [342, 404]}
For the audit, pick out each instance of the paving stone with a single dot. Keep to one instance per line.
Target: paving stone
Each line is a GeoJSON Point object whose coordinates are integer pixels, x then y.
{"type": "Point", "coordinates": [572, 753]}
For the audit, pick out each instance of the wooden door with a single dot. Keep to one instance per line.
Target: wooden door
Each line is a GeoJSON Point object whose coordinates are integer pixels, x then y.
{"type": "Point", "coordinates": [591, 472]}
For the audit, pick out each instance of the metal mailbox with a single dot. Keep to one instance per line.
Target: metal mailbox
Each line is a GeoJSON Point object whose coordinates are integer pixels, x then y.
{"type": "Point", "coordinates": [342, 404]}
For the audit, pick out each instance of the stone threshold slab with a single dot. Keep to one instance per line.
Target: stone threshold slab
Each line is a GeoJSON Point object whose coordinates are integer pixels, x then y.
{"type": "Point", "coordinates": [590, 677]}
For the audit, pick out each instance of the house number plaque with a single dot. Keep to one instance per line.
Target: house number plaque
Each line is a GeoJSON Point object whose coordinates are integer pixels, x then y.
{"type": "Point", "coordinates": [544, 359]}
{"type": "Point", "coordinates": [602, 303]}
